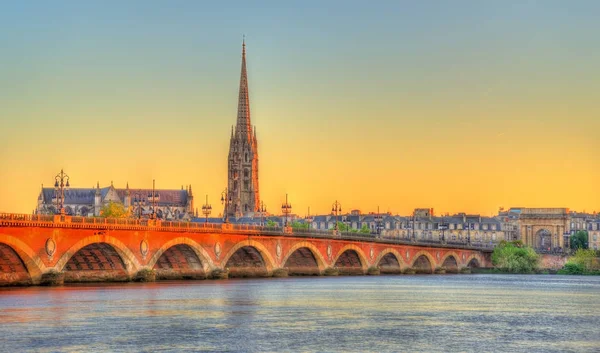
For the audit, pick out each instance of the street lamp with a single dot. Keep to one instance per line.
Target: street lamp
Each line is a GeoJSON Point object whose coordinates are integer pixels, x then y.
{"type": "Point", "coordinates": [206, 210]}
{"type": "Point", "coordinates": [154, 213]}
{"type": "Point", "coordinates": [262, 209]}
{"type": "Point", "coordinates": [308, 219]}
{"type": "Point", "coordinates": [226, 202]}
{"type": "Point", "coordinates": [378, 220]}
{"type": "Point", "coordinates": [348, 223]}
{"type": "Point", "coordinates": [139, 200]}
{"type": "Point", "coordinates": [336, 209]}
{"type": "Point", "coordinates": [61, 182]}
{"type": "Point", "coordinates": [442, 227]}
{"type": "Point", "coordinates": [286, 209]}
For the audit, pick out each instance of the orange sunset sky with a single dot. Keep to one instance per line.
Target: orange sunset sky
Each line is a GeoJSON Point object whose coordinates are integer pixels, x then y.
{"type": "Point", "coordinates": [463, 107]}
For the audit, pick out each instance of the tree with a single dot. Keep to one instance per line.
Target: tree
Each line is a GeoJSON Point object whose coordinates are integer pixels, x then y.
{"type": "Point", "coordinates": [513, 257]}
{"type": "Point", "coordinates": [299, 226]}
{"type": "Point", "coordinates": [343, 227]}
{"type": "Point", "coordinates": [114, 210]}
{"type": "Point", "coordinates": [271, 223]}
{"type": "Point", "coordinates": [365, 229]}
{"type": "Point", "coordinates": [579, 240]}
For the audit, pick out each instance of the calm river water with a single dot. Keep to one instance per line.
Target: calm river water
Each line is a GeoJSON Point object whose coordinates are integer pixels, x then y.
{"type": "Point", "coordinates": [445, 313]}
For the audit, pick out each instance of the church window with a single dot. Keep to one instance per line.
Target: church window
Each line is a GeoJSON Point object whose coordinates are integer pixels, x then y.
{"type": "Point", "coordinates": [246, 185]}
{"type": "Point", "coordinates": [234, 185]}
{"type": "Point", "coordinates": [246, 157]}
{"type": "Point", "coordinates": [246, 173]}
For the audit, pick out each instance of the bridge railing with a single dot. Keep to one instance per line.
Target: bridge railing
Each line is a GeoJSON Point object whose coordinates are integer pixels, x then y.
{"type": "Point", "coordinates": [13, 219]}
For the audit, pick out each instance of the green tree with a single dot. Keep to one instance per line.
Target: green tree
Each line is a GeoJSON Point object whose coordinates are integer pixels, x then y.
{"type": "Point", "coordinates": [579, 240]}
{"type": "Point", "coordinates": [114, 210]}
{"type": "Point", "coordinates": [365, 229]}
{"type": "Point", "coordinates": [271, 223]}
{"type": "Point", "coordinates": [343, 227]}
{"type": "Point", "coordinates": [513, 257]}
{"type": "Point", "coordinates": [585, 258]}
{"type": "Point", "coordinates": [299, 226]}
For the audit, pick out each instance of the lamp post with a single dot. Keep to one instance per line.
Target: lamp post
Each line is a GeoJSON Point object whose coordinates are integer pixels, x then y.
{"type": "Point", "coordinates": [286, 209]}
{"type": "Point", "coordinates": [414, 236]}
{"type": "Point", "coordinates": [226, 202]}
{"type": "Point", "coordinates": [206, 210]}
{"type": "Point", "coordinates": [336, 209]}
{"type": "Point", "coordinates": [262, 209]}
{"type": "Point", "coordinates": [308, 218]}
{"type": "Point", "coordinates": [61, 182]}
{"type": "Point", "coordinates": [468, 233]}
{"type": "Point", "coordinates": [139, 201]}
{"type": "Point", "coordinates": [154, 214]}
{"type": "Point", "coordinates": [348, 223]}
{"type": "Point", "coordinates": [443, 227]}
{"type": "Point", "coordinates": [378, 219]}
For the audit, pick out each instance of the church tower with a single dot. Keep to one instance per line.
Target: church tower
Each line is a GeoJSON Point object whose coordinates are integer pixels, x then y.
{"type": "Point", "coordinates": [242, 163]}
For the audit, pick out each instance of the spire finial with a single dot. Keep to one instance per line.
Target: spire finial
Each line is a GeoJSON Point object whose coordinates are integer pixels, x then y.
{"type": "Point", "coordinates": [244, 45]}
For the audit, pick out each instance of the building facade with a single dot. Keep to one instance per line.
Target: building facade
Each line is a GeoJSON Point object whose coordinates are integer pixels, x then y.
{"type": "Point", "coordinates": [141, 203]}
{"type": "Point", "coordinates": [242, 162]}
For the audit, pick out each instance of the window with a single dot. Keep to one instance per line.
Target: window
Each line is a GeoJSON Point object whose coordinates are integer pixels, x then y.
{"type": "Point", "coordinates": [246, 172]}
{"type": "Point", "coordinates": [246, 185]}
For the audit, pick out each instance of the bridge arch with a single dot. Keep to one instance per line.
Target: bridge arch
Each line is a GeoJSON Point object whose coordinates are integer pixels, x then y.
{"type": "Point", "coordinates": [207, 263]}
{"type": "Point", "coordinates": [451, 261]}
{"type": "Point", "coordinates": [262, 250]}
{"type": "Point", "coordinates": [415, 258]}
{"type": "Point", "coordinates": [477, 261]}
{"type": "Point", "coordinates": [131, 263]}
{"type": "Point", "coordinates": [33, 264]}
{"type": "Point", "coordinates": [384, 254]}
{"type": "Point", "coordinates": [361, 257]}
{"type": "Point", "coordinates": [321, 263]}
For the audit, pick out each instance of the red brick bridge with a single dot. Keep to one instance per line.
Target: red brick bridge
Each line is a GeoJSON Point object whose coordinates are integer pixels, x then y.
{"type": "Point", "coordinates": [35, 247]}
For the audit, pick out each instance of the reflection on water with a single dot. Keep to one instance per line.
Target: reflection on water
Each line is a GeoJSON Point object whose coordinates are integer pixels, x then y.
{"type": "Point", "coordinates": [362, 314]}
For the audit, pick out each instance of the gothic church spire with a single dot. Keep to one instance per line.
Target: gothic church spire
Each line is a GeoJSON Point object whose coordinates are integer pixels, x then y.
{"type": "Point", "coordinates": [244, 127]}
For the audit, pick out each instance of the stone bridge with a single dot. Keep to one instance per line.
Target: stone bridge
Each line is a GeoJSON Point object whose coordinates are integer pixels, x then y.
{"type": "Point", "coordinates": [34, 249]}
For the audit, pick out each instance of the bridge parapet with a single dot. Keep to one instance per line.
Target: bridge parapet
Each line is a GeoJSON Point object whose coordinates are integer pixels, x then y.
{"type": "Point", "coordinates": [100, 223]}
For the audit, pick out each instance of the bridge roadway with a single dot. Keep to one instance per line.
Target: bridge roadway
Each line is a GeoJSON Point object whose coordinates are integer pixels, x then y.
{"type": "Point", "coordinates": [38, 249]}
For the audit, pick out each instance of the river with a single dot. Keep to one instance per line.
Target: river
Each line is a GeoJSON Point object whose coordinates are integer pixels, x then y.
{"type": "Point", "coordinates": [430, 313]}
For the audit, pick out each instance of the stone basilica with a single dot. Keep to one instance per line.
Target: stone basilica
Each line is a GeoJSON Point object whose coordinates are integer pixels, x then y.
{"type": "Point", "coordinates": [168, 204]}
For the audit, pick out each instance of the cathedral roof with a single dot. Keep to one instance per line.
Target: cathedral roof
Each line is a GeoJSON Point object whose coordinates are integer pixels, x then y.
{"type": "Point", "coordinates": [85, 196]}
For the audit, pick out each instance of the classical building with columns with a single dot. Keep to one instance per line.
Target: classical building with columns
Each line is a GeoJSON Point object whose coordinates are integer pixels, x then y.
{"type": "Point", "coordinates": [168, 204]}
{"type": "Point", "coordinates": [545, 228]}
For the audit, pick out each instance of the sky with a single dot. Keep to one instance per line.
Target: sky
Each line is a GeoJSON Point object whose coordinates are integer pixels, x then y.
{"type": "Point", "coordinates": [460, 106]}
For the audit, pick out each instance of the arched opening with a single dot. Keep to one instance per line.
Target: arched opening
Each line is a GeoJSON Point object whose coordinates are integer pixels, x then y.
{"type": "Point", "coordinates": [544, 239]}
{"type": "Point", "coordinates": [246, 262]}
{"type": "Point", "coordinates": [12, 268]}
{"type": "Point", "coordinates": [389, 264]}
{"type": "Point", "coordinates": [348, 263]}
{"type": "Point", "coordinates": [422, 264]}
{"type": "Point", "coordinates": [302, 262]}
{"type": "Point", "coordinates": [97, 262]}
{"type": "Point", "coordinates": [474, 263]}
{"type": "Point", "coordinates": [179, 262]}
{"type": "Point", "coordinates": [450, 264]}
